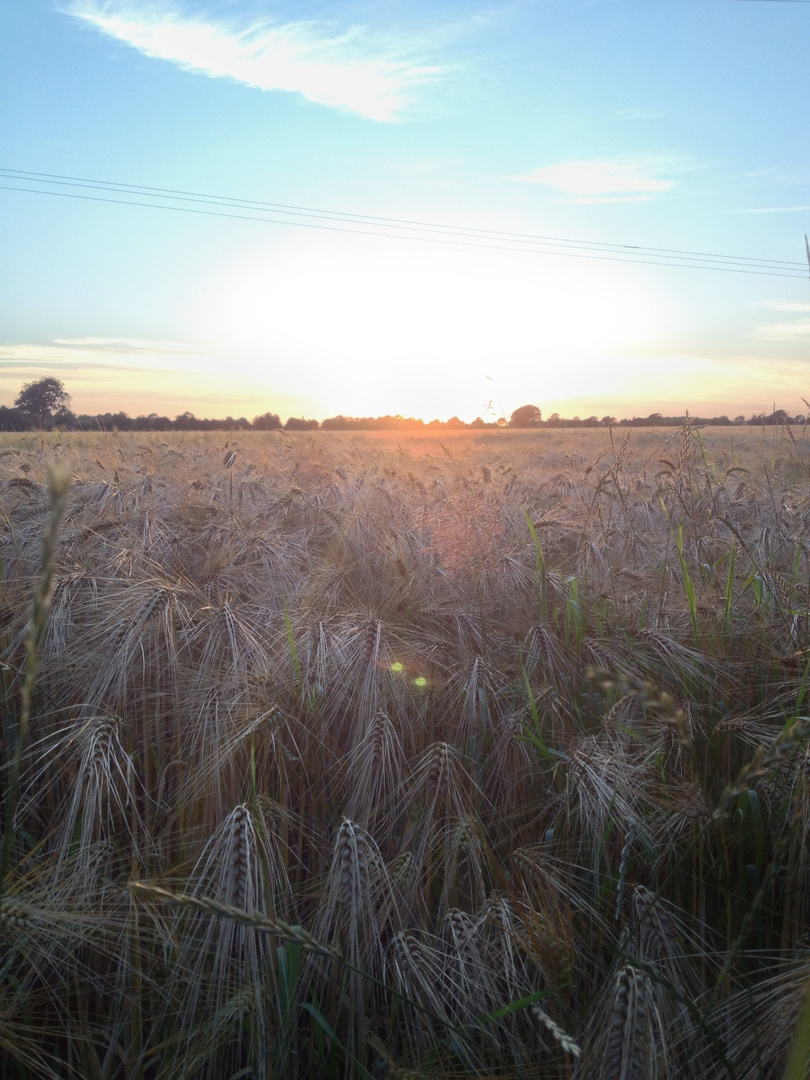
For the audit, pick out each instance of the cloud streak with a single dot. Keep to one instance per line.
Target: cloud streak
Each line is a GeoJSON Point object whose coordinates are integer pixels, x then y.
{"type": "Point", "coordinates": [794, 330]}
{"type": "Point", "coordinates": [352, 70]}
{"type": "Point", "coordinates": [127, 345]}
{"type": "Point", "coordinates": [597, 181]}
{"type": "Point", "coordinates": [781, 304]}
{"type": "Point", "coordinates": [773, 210]}
{"type": "Point", "coordinates": [789, 329]}
{"type": "Point", "coordinates": [114, 353]}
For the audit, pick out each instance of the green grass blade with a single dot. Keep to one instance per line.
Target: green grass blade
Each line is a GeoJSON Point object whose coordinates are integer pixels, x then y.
{"type": "Point", "coordinates": [797, 1067]}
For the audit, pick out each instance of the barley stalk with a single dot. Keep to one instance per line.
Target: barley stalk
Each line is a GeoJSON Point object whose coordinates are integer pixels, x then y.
{"type": "Point", "coordinates": [253, 919]}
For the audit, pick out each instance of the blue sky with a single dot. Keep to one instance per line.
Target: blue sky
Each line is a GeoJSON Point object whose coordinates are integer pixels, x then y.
{"type": "Point", "coordinates": [638, 129]}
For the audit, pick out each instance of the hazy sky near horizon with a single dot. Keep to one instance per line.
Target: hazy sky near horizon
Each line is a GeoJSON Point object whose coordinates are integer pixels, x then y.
{"type": "Point", "coordinates": [235, 206]}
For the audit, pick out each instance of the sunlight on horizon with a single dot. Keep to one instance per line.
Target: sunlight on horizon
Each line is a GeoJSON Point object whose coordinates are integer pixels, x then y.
{"type": "Point", "coordinates": [423, 330]}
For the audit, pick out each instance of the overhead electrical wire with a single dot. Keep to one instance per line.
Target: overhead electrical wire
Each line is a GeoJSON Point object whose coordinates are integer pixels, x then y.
{"type": "Point", "coordinates": [397, 228]}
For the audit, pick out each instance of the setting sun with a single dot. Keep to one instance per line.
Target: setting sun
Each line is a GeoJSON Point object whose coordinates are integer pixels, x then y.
{"type": "Point", "coordinates": [420, 329]}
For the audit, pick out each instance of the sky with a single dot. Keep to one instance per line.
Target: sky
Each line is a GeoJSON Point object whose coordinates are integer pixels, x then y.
{"type": "Point", "coordinates": [430, 209]}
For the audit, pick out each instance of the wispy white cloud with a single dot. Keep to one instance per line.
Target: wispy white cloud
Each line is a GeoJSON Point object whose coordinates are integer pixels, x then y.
{"type": "Point", "coordinates": [124, 354]}
{"type": "Point", "coordinates": [780, 304]}
{"type": "Point", "coordinates": [128, 345]}
{"type": "Point", "coordinates": [352, 69]}
{"type": "Point", "coordinates": [610, 180]}
{"type": "Point", "coordinates": [773, 210]}
{"type": "Point", "coordinates": [792, 330]}
{"type": "Point", "coordinates": [785, 329]}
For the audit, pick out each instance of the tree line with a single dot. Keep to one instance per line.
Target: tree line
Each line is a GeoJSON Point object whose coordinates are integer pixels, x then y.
{"type": "Point", "coordinates": [45, 405]}
{"type": "Point", "coordinates": [530, 416]}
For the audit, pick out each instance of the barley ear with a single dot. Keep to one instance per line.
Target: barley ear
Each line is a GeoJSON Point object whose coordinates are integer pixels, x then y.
{"type": "Point", "coordinates": [58, 485]}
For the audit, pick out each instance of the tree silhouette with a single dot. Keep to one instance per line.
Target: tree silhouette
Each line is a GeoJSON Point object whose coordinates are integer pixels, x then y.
{"type": "Point", "coordinates": [525, 416]}
{"type": "Point", "coordinates": [43, 401]}
{"type": "Point", "coordinates": [267, 422]}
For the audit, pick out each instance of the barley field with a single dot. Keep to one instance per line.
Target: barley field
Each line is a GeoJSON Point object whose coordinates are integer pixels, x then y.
{"type": "Point", "coordinates": [330, 755]}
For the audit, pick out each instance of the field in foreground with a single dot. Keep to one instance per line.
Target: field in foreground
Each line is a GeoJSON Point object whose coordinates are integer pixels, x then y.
{"type": "Point", "coordinates": [356, 756]}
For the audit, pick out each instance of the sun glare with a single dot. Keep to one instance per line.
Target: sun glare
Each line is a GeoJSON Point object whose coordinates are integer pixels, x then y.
{"type": "Point", "coordinates": [414, 331]}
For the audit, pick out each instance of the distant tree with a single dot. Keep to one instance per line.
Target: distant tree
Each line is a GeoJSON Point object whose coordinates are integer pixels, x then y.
{"type": "Point", "coordinates": [10, 419]}
{"type": "Point", "coordinates": [267, 422]}
{"type": "Point", "coordinates": [43, 402]}
{"type": "Point", "coordinates": [777, 417]}
{"type": "Point", "coordinates": [525, 416]}
{"type": "Point", "coordinates": [119, 421]}
{"type": "Point", "coordinates": [298, 423]}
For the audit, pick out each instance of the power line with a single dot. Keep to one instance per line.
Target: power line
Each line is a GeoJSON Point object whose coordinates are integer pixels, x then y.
{"type": "Point", "coordinates": [387, 222]}
{"type": "Point", "coordinates": [396, 228]}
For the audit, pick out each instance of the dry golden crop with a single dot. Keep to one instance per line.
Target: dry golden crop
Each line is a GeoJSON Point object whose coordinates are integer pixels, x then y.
{"type": "Point", "coordinates": [336, 755]}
